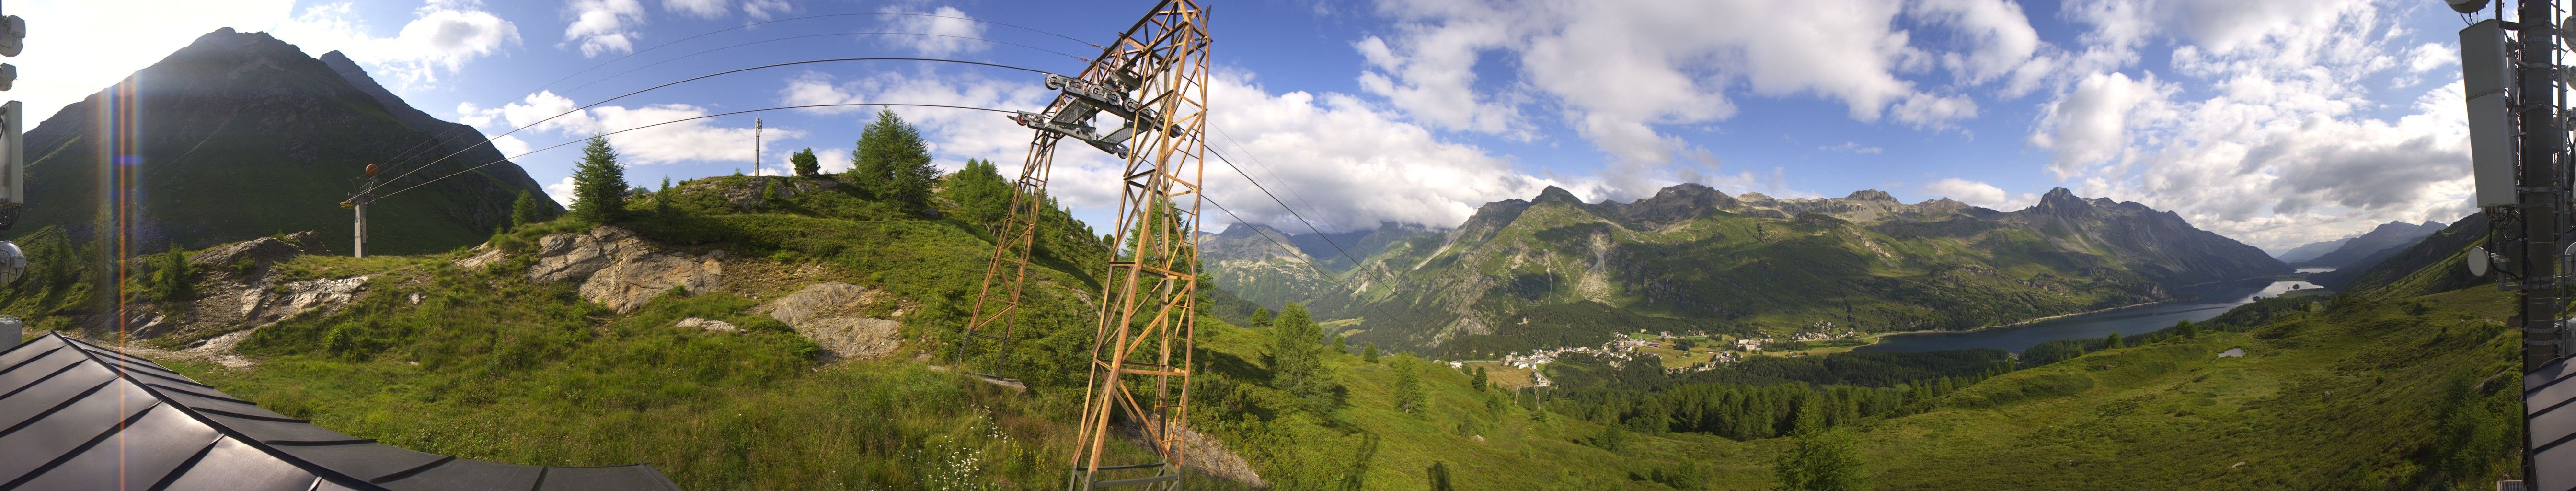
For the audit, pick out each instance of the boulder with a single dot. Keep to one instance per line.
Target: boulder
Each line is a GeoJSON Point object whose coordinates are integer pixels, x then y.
{"type": "Point", "coordinates": [709, 325]}
{"type": "Point", "coordinates": [617, 269]}
{"type": "Point", "coordinates": [261, 250]}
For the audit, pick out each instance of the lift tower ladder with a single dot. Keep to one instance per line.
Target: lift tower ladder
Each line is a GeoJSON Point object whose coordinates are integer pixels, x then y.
{"type": "Point", "coordinates": [1155, 79]}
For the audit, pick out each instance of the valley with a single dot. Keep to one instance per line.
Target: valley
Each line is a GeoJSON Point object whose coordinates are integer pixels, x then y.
{"type": "Point", "coordinates": [1469, 306]}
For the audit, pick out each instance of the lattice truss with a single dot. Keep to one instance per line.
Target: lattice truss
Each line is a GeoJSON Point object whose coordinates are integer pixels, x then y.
{"type": "Point", "coordinates": [1154, 81]}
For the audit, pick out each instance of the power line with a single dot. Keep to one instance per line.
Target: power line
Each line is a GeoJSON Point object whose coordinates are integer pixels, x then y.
{"type": "Point", "coordinates": [1265, 169]}
{"type": "Point", "coordinates": [1274, 198]}
{"type": "Point", "coordinates": [418, 149]}
{"type": "Point", "coordinates": [747, 111]}
{"type": "Point", "coordinates": [488, 141]}
{"type": "Point", "coordinates": [790, 38]}
{"type": "Point", "coordinates": [714, 32]}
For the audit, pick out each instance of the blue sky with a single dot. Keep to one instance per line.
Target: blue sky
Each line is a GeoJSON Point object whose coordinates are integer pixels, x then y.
{"type": "Point", "coordinates": [2276, 123]}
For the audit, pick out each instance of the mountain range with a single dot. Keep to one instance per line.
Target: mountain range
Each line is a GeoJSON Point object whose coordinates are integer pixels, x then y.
{"type": "Point", "coordinates": [240, 135]}
{"type": "Point", "coordinates": [1554, 271]}
{"type": "Point", "coordinates": [2366, 249]}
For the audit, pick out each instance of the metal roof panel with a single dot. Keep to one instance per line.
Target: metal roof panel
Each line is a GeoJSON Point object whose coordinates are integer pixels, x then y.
{"type": "Point", "coordinates": [142, 454]}
{"type": "Point", "coordinates": [232, 464]}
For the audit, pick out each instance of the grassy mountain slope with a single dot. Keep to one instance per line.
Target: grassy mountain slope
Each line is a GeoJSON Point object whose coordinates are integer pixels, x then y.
{"type": "Point", "coordinates": [2360, 394]}
{"type": "Point", "coordinates": [240, 135]}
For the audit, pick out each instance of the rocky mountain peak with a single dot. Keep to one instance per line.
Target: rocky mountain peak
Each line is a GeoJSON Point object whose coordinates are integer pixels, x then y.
{"type": "Point", "coordinates": [2060, 201]}
{"type": "Point", "coordinates": [1871, 195]}
{"type": "Point", "coordinates": [1555, 194]}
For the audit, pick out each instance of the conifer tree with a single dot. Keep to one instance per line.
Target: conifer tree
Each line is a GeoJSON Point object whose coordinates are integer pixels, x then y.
{"type": "Point", "coordinates": [599, 184]}
{"type": "Point", "coordinates": [1478, 380]}
{"type": "Point", "coordinates": [1823, 460]}
{"type": "Point", "coordinates": [523, 211]}
{"type": "Point", "coordinates": [1408, 385]}
{"type": "Point", "coordinates": [1295, 366]}
{"type": "Point", "coordinates": [1368, 353]}
{"type": "Point", "coordinates": [982, 196]}
{"type": "Point", "coordinates": [892, 163]}
{"type": "Point", "coordinates": [805, 163]}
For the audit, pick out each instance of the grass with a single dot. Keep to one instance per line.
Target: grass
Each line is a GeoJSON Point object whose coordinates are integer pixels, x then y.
{"type": "Point", "coordinates": [2356, 393]}
{"type": "Point", "coordinates": [2364, 395]}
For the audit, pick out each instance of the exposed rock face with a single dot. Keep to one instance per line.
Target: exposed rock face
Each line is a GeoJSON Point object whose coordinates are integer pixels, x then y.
{"type": "Point", "coordinates": [310, 241]}
{"type": "Point", "coordinates": [828, 314]}
{"type": "Point", "coordinates": [619, 270]}
{"type": "Point", "coordinates": [260, 307]}
{"type": "Point", "coordinates": [1206, 454]}
{"type": "Point", "coordinates": [262, 250]}
{"type": "Point", "coordinates": [478, 261]}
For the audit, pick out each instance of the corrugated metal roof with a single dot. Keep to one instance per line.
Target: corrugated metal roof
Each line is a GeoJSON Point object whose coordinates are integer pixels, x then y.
{"type": "Point", "coordinates": [2546, 397]}
{"type": "Point", "coordinates": [77, 416]}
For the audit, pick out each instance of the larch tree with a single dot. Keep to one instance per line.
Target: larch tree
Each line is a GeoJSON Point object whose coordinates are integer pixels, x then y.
{"type": "Point", "coordinates": [599, 184]}
{"type": "Point", "coordinates": [892, 163]}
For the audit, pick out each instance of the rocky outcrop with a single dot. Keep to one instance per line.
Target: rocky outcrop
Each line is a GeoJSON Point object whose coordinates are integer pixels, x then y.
{"type": "Point", "coordinates": [619, 270]}
{"type": "Point", "coordinates": [1205, 454]}
{"type": "Point", "coordinates": [261, 306]}
{"type": "Point", "coordinates": [830, 315]}
{"type": "Point", "coordinates": [310, 241]}
{"type": "Point", "coordinates": [261, 251]}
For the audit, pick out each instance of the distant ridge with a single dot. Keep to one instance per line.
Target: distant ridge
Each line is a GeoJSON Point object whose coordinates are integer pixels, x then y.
{"type": "Point", "coordinates": [2372, 247]}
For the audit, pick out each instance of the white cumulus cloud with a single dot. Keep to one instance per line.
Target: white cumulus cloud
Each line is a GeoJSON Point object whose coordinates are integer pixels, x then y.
{"type": "Point", "coordinates": [604, 26]}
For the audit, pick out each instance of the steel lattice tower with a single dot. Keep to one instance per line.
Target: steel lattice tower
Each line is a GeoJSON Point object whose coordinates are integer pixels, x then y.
{"type": "Point", "coordinates": [1155, 76]}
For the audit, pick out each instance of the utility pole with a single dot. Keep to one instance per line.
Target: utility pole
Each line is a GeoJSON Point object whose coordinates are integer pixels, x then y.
{"type": "Point", "coordinates": [755, 146]}
{"type": "Point", "coordinates": [358, 202]}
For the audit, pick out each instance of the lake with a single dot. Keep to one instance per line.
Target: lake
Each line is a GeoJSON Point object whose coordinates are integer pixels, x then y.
{"type": "Point", "coordinates": [2211, 300]}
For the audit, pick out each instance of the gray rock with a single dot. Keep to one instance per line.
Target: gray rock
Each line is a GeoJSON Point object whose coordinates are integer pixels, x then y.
{"type": "Point", "coordinates": [854, 337]}
{"type": "Point", "coordinates": [709, 325]}
{"type": "Point", "coordinates": [619, 270]}
{"type": "Point", "coordinates": [262, 250]}
{"type": "Point", "coordinates": [310, 241]}
{"type": "Point", "coordinates": [827, 313]}
{"type": "Point", "coordinates": [488, 256]}
{"type": "Point", "coordinates": [260, 307]}
{"type": "Point", "coordinates": [815, 302]}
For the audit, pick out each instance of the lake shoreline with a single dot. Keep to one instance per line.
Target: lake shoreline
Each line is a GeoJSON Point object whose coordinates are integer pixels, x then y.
{"type": "Point", "coordinates": [2132, 319]}
{"type": "Point", "coordinates": [1873, 338]}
